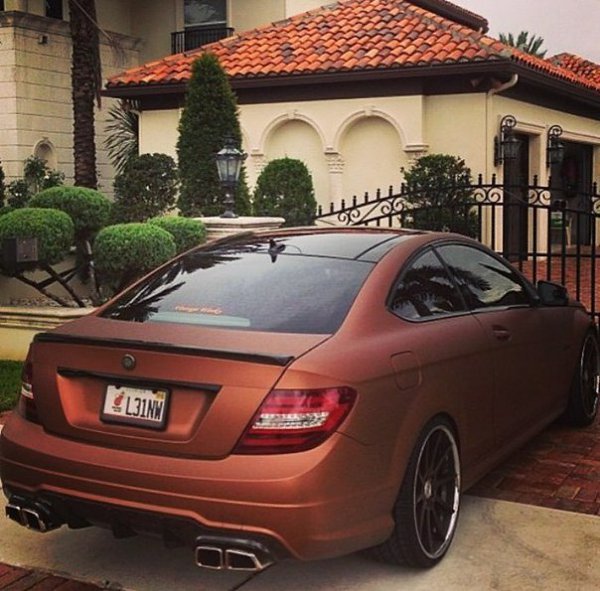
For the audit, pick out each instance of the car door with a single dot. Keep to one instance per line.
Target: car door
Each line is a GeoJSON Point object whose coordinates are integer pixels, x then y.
{"type": "Point", "coordinates": [450, 347]}
{"type": "Point", "coordinates": [522, 335]}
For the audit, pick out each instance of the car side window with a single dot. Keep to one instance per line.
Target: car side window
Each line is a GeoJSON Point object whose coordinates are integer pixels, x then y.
{"type": "Point", "coordinates": [484, 280]}
{"type": "Point", "coordinates": [425, 290]}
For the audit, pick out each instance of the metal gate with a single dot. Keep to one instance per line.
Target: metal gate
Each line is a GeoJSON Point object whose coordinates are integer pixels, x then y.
{"type": "Point", "coordinates": [549, 235]}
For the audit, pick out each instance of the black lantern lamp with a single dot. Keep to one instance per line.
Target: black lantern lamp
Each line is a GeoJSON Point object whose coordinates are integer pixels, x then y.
{"type": "Point", "coordinates": [229, 165]}
{"type": "Point", "coordinates": [555, 149]}
{"type": "Point", "coordinates": [506, 145]}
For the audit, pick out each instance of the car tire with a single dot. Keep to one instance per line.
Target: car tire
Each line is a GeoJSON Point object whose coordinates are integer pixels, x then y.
{"type": "Point", "coordinates": [426, 510]}
{"type": "Point", "coordinates": [582, 406]}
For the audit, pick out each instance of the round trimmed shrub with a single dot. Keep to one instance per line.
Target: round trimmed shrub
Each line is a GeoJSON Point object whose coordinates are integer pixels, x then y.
{"type": "Point", "coordinates": [439, 189]}
{"type": "Point", "coordinates": [125, 252]}
{"type": "Point", "coordinates": [285, 189]}
{"type": "Point", "coordinates": [53, 229]}
{"type": "Point", "coordinates": [186, 232]}
{"type": "Point", "coordinates": [146, 188]}
{"type": "Point", "coordinates": [89, 209]}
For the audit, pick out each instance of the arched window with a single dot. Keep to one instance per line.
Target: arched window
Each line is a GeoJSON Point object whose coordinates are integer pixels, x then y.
{"type": "Point", "coordinates": [44, 150]}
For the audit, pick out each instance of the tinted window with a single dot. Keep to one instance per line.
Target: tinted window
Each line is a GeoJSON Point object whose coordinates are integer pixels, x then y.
{"type": "Point", "coordinates": [425, 290]}
{"type": "Point", "coordinates": [248, 287]}
{"type": "Point", "coordinates": [484, 280]}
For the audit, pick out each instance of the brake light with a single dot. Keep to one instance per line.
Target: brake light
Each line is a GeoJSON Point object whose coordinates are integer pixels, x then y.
{"type": "Point", "coordinates": [296, 420]}
{"type": "Point", "coordinates": [27, 406]}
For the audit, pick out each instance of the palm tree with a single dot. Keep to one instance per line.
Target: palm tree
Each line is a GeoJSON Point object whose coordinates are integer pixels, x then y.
{"type": "Point", "coordinates": [86, 82]}
{"type": "Point", "coordinates": [524, 42]}
{"type": "Point", "coordinates": [122, 133]}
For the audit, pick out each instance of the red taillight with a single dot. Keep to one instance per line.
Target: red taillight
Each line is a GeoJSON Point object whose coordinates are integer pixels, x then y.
{"type": "Point", "coordinates": [27, 406]}
{"type": "Point", "coordinates": [296, 420]}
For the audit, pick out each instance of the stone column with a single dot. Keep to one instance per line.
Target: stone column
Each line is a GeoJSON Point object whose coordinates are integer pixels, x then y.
{"type": "Point", "coordinates": [335, 164]}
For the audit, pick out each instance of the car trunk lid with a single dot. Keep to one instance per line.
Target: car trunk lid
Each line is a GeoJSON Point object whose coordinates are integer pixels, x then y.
{"type": "Point", "coordinates": [210, 382]}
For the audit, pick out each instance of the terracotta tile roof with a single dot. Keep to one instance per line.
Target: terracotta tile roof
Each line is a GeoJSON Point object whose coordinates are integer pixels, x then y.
{"type": "Point", "coordinates": [579, 66]}
{"type": "Point", "coordinates": [348, 36]}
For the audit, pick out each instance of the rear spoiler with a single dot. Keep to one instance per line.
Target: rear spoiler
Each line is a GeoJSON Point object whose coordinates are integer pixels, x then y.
{"type": "Point", "coordinates": [280, 360]}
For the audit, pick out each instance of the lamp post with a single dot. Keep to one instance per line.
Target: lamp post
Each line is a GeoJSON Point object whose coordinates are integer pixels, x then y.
{"type": "Point", "coordinates": [229, 165]}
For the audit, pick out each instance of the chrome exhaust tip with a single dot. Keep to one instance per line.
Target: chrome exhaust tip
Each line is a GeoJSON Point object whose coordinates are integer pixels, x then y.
{"type": "Point", "coordinates": [32, 515]}
{"type": "Point", "coordinates": [244, 560]}
{"type": "Point", "coordinates": [210, 557]}
{"type": "Point", "coordinates": [33, 520]}
{"type": "Point", "coordinates": [218, 553]}
{"type": "Point", "coordinates": [13, 512]}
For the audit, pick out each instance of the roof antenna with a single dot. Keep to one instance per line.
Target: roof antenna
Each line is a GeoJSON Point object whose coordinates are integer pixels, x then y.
{"type": "Point", "coordinates": [275, 250]}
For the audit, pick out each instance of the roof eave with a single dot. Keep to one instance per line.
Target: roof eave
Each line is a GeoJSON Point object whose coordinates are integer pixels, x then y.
{"type": "Point", "coordinates": [482, 67]}
{"type": "Point", "coordinates": [562, 87]}
{"type": "Point", "coordinates": [496, 67]}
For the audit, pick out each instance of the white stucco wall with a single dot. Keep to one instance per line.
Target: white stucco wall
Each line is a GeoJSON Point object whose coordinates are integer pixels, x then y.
{"type": "Point", "coordinates": [296, 6]}
{"type": "Point", "coordinates": [252, 14]}
{"type": "Point", "coordinates": [322, 134]}
{"type": "Point", "coordinates": [356, 145]}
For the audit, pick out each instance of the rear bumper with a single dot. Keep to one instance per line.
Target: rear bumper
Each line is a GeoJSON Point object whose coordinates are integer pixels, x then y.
{"type": "Point", "coordinates": [308, 505]}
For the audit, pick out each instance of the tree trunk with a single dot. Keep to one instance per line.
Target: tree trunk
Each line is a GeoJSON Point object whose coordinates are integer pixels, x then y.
{"type": "Point", "coordinates": [86, 82]}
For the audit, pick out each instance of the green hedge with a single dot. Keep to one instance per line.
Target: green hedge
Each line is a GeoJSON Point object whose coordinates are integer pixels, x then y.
{"type": "Point", "coordinates": [53, 229]}
{"type": "Point", "coordinates": [186, 232]}
{"type": "Point", "coordinates": [146, 188]}
{"type": "Point", "coordinates": [89, 209]}
{"type": "Point", "coordinates": [285, 189]}
{"type": "Point", "coordinates": [125, 252]}
{"type": "Point", "coordinates": [10, 383]}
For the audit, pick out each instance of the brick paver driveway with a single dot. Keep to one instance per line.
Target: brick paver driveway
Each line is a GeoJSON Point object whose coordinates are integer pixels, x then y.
{"type": "Point", "coordinates": [560, 468]}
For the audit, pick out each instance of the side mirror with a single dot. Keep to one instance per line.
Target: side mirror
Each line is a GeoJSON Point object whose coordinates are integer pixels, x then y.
{"type": "Point", "coordinates": [552, 294]}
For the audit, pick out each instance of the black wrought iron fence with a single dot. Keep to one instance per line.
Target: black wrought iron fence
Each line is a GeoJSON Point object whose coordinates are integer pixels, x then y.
{"type": "Point", "coordinates": [546, 231]}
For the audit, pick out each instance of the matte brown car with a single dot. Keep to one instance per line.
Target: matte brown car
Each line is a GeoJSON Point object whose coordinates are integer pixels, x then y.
{"type": "Point", "coordinates": [303, 393]}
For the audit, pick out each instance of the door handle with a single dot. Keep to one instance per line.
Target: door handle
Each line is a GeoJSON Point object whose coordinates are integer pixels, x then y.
{"type": "Point", "coordinates": [501, 333]}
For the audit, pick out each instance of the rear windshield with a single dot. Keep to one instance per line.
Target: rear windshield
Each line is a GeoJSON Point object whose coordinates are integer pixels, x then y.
{"type": "Point", "coordinates": [252, 288]}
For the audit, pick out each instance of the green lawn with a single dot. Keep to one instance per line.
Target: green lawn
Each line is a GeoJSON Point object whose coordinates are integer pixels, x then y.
{"type": "Point", "coordinates": [10, 383]}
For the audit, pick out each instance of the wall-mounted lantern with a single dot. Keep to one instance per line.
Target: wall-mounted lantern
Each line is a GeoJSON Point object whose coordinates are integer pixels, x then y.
{"type": "Point", "coordinates": [506, 145]}
{"type": "Point", "coordinates": [555, 149]}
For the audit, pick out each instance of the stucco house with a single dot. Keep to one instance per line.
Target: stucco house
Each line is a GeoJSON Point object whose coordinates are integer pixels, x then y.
{"type": "Point", "coordinates": [359, 88]}
{"type": "Point", "coordinates": [35, 62]}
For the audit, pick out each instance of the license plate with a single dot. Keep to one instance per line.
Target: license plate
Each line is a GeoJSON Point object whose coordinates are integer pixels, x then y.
{"type": "Point", "coordinates": [140, 407]}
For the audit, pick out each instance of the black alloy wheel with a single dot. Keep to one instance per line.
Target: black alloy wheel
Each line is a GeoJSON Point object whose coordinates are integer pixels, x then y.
{"type": "Point", "coordinates": [426, 511]}
{"type": "Point", "coordinates": [436, 492]}
{"type": "Point", "coordinates": [583, 397]}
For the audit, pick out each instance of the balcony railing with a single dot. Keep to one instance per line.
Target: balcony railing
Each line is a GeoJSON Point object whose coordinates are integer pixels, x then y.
{"type": "Point", "coordinates": [197, 37]}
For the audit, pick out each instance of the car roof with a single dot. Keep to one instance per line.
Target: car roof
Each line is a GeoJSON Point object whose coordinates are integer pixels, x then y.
{"type": "Point", "coordinates": [361, 244]}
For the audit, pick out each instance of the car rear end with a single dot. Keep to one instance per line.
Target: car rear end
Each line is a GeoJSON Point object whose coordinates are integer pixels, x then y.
{"type": "Point", "coordinates": [206, 435]}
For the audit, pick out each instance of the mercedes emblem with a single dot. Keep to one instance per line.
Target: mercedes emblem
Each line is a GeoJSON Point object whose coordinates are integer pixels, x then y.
{"type": "Point", "coordinates": [128, 361]}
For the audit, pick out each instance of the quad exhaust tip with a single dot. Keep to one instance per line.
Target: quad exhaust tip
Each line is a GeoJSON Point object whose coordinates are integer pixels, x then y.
{"type": "Point", "coordinates": [32, 515]}
{"type": "Point", "coordinates": [239, 556]}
